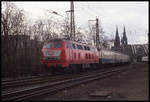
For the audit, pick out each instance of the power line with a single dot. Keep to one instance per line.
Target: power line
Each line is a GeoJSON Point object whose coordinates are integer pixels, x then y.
{"type": "Point", "coordinates": [83, 9]}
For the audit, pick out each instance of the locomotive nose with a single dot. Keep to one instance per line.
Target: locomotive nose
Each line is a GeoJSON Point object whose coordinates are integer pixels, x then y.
{"type": "Point", "coordinates": [52, 54]}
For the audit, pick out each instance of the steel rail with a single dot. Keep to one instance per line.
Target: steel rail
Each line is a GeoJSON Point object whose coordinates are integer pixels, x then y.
{"type": "Point", "coordinates": [55, 86]}
{"type": "Point", "coordinates": [34, 80]}
{"type": "Point", "coordinates": [23, 82]}
{"type": "Point", "coordinates": [25, 78]}
{"type": "Point", "coordinates": [20, 82]}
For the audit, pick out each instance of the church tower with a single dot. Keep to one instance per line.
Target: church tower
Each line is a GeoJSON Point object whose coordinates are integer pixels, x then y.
{"type": "Point", "coordinates": [124, 41]}
{"type": "Point", "coordinates": [117, 41]}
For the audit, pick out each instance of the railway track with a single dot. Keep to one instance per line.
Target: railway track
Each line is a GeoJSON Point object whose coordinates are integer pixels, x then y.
{"type": "Point", "coordinates": [56, 86]}
{"type": "Point", "coordinates": [37, 80]}
{"type": "Point", "coordinates": [23, 81]}
{"type": "Point", "coordinates": [16, 79]}
{"type": "Point", "coordinates": [24, 84]}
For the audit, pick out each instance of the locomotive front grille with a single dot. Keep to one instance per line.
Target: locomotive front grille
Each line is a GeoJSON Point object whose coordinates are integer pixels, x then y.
{"type": "Point", "coordinates": [52, 58]}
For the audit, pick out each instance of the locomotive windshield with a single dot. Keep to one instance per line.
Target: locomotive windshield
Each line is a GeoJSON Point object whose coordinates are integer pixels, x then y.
{"type": "Point", "coordinates": [53, 45]}
{"type": "Point", "coordinates": [57, 44]}
{"type": "Point", "coordinates": [48, 45]}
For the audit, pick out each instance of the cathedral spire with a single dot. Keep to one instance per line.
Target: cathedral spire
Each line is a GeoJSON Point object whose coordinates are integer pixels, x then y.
{"type": "Point", "coordinates": [117, 40]}
{"type": "Point", "coordinates": [124, 38]}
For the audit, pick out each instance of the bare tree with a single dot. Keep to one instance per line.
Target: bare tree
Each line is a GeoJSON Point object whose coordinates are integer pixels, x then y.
{"type": "Point", "coordinates": [65, 29]}
{"type": "Point", "coordinates": [12, 22]}
{"type": "Point", "coordinates": [103, 38]}
{"type": "Point", "coordinates": [20, 54]}
{"type": "Point", "coordinates": [51, 29]}
{"type": "Point", "coordinates": [92, 34]}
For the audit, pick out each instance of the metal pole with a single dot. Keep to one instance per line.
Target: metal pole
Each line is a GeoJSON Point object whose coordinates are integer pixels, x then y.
{"type": "Point", "coordinates": [71, 21]}
{"type": "Point", "coordinates": [97, 34]}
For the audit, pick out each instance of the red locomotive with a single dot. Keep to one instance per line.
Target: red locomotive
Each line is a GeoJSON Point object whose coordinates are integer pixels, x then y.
{"type": "Point", "coordinates": [64, 55]}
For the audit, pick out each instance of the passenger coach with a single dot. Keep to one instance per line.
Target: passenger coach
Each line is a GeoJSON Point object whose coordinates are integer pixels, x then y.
{"type": "Point", "coordinates": [112, 57]}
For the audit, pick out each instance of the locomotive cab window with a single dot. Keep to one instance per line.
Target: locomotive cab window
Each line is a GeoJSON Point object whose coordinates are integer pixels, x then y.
{"type": "Point", "coordinates": [48, 45]}
{"type": "Point", "coordinates": [57, 44]}
{"type": "Point", "coordinates": [53, 45]}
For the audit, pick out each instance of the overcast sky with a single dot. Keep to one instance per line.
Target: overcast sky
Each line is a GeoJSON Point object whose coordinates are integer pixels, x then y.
{"type": "Point", "coordinates": [134, 15]}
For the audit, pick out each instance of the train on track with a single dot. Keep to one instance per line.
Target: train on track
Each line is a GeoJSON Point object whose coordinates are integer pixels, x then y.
{"type": "Point", "coordinates": [144, 59]}
{"type": "Point", "coordinates": [70, 56]}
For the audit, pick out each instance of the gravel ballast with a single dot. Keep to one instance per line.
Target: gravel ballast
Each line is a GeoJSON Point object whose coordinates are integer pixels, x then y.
{"type": "Point", "coordinates": [129, 85]}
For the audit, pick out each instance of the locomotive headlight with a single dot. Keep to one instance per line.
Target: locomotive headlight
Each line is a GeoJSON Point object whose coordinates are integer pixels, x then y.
{"type": "Point", "coordinates": [46, 53]}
